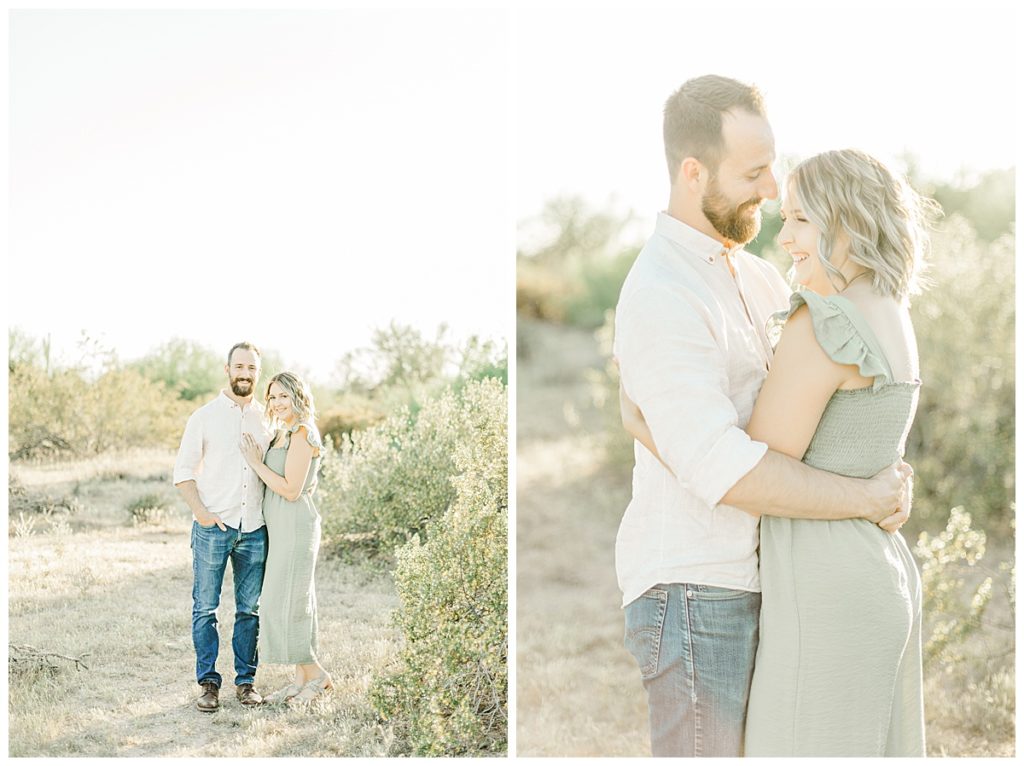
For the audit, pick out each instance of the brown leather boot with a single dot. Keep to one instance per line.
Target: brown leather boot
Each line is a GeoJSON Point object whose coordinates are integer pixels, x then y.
{"type": "Point", "coordinates": [210, 700]}
{"type": "Point", "coordinates": [247, 695]}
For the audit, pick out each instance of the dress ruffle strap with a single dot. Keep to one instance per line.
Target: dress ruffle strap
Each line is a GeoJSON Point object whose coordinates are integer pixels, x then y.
{"type": "Point", "coordinates": [312, 435]}
{"type": "Point", "coordinates": [841, 331]}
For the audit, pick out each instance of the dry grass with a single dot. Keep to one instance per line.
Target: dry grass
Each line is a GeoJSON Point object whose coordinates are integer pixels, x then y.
{"type": "Point", "coordinates": [579, 690]}
{"type": "Point", "coordinates": [121, 593]}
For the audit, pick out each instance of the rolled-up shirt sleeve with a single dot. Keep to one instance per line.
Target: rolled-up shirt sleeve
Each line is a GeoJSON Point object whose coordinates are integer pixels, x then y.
{"type": "Point", "coordinates": [674, 369]}
{"type": "Point", "coordinates": [190, 452]}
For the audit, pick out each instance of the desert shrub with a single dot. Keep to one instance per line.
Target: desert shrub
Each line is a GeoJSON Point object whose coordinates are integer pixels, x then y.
{"type": "Point", "coordinates": [69, 412]}
{"type": "Point", "coordinates": [402, 368]}
{"type": "Point", "coordinates": [962, 443]}
{"type": "Point", "coordinates": [23, 526]}
{"type": "Point", "coordinates": [541, 293]}
{"type": "Point", "coordinates": [449, 694]}
{"type": "Point", "coordinates": [953, 610]}
{"type": "Point", "coordinates": [21, 501]}
{"type": "Point", "coordinates": [600, 283]}
{"type": "Point", "coordinates": [344, 419]}
{"type": "Point", "coordinates": [383, 485]}
{"type": "Point", "coordinates": [988, 203]}
{"type": "Point", "coordinates": [148, 509]}
{"type": "Point", "coordinates": [189, 369]}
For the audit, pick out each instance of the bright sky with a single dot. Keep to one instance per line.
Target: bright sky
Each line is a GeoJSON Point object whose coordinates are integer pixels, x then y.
{"type": "Point", "coordinates": [300, 178]}
{"type": "Point", "coordinates": [883, 77]}
{"type": "Point", "coordinates": [294, 178]}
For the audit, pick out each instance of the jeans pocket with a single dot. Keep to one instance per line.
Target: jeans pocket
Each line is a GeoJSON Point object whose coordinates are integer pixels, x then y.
{"type": "Point", "coordinates": [714, 593]}
{"type": "Point", "coordinates": [645, 623]}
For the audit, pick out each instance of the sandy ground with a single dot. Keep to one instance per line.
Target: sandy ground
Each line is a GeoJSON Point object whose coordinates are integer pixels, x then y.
{"type": "Point", "coordinates": [578, 689]}
{"type": "Point", "coordinates": [119, 596]}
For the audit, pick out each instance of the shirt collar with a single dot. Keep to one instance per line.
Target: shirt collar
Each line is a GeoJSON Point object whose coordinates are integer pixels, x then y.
{"type": "Point", "coordinates": [229, 402]}
{"type": "Point", "coordinates": [692, 241]}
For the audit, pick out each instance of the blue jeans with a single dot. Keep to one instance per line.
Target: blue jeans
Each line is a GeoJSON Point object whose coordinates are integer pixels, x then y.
{"type": "Point", "coordinates": [211, 549]}
{"type": "Point", "coordinates": [695, 645]}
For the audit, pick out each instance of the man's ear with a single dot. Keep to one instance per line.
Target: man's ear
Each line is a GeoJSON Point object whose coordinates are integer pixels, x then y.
{"type": "Point", "coordinates": [692, 173]}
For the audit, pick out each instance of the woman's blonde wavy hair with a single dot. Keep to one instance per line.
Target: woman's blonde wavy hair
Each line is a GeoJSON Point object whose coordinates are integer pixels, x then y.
{"type": "Point", "coordinates": [302, 398]}
{"type": "Point", "coordinates": [885, 219]}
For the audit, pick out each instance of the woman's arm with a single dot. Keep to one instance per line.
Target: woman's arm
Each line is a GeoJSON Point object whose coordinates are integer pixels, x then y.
{"type": "Point", "coordinates": [635, 425]}
{"type": "Point", "coordinates": [296, 465]}
{"type": "Point", "coordinates": [788, 408]}
{"type": "Point", "coordinates": [786, 415]}
{"type": "Point", "coordinates": [797, 389]}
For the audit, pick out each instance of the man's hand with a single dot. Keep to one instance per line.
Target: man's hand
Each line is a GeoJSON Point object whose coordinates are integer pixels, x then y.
{"type": "Point", "coordinates": [190, 494]}
{"type": "Point", "coordinates": [207, 519]}
{"type": "Point", "coordinates": [893, 490]}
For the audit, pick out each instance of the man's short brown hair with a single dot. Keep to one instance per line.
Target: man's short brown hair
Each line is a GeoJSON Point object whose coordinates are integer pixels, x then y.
{"type": "Point", "coordinates": [693, 118]}
{"type": "Point", "coordinates": [248, 347]}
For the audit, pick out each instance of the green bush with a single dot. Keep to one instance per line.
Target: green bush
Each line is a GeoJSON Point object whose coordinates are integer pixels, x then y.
{"type": "Point", "coordinates": [953, 611]}
{"type": "Point", "coordinates": [574, 262]}
{"type": "Point", "coordinates": [185, 367]}
{"type": "Point", "coordinates": [66, 412]}
{"type": "Point", "coordinates": [962, 442]}
{"type": "Point", "coordinates": [381, 486]}
{"type": "Point", "coordinates": [148, 509]}
{"type": "Point", "coordinates": [449, 695]}
{"type": "Point", "coordinates": [346, 418]}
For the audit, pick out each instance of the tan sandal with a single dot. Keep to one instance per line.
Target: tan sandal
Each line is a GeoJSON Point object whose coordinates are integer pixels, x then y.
{"type": "Point", "coordinates": [282, 695]}
{"type": "Point", "coordinates": [312, 689]}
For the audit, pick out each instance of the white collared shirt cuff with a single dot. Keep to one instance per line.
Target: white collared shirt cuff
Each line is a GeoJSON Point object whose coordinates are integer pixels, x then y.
{"type": "Point", "coordinates": [731, 458]}
{"type": "Point", "coordinates": [183, 476]}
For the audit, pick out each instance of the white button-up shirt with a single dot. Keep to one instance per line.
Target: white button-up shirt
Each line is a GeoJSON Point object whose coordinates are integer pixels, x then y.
{"type": "Point", "coordinates": [692, 351]}
{"type": "Point", "coordinates": [211, 455]}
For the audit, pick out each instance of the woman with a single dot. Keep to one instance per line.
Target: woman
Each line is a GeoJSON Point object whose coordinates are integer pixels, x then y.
{"type": "Point", "coordinates": [838, 667]}
{"type": "Point", "coordinates": [288, 626]}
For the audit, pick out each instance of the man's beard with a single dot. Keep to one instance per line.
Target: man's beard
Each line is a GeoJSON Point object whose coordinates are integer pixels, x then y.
{"type": "Point", "coordinates": [241, 386]}
{"type": "Point", "coordinates": [733, 223]}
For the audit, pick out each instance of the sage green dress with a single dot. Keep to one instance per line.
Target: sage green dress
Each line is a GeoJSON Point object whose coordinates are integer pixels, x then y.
{"type": "Point", "coordinates": [288, 626]}
{"type": "Point", "coordinates": [838, 667]}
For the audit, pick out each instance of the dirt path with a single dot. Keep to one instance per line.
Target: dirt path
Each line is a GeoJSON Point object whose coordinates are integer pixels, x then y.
{"type": "Point", "coordinates": [120, 595]}
{"type": "Point", "coordinates": [579, 692]}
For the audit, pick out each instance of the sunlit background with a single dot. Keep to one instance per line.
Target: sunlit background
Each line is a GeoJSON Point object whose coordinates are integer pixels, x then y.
{"type": "Point", "coordinates": [293, 178]}
{"type": "Point", "coordinates": [886, 78]}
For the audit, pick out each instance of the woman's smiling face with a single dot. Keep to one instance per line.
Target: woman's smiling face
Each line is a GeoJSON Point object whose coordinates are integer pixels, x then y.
{"type": "Point", "coordinates": [280, 403]}
{"type": "Point", "coordinates": [799, 237]}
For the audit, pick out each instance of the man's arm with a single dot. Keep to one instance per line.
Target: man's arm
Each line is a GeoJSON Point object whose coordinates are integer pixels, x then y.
{"type": "Point", "coordinates": [190, 492]}
{"type": "Point", "coordinates": [190, 455]}
{"type": "Point", "coordinates": [672, 368]}
{"type": "Point", "coordinates": [779, 485]}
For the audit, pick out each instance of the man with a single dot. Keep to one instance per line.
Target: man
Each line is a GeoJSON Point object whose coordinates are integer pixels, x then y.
{"type": "Point", "coordinates": [692, 351]}
{"type": "Point", "coordinates": [226, 498]}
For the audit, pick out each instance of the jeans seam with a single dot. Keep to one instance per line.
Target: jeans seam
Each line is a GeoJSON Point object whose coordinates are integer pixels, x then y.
{"type": "Point", "coordinates": [659, 634]}
{"type": "Point", "coordinates": [691, 667]}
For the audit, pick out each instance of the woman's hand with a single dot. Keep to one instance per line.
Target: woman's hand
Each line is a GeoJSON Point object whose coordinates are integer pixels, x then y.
{"type": "Point", "coordinates": [251, 450]}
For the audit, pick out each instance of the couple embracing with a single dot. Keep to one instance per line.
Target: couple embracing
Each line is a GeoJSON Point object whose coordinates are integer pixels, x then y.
{"type": "Point", "coordinates": [248, 473]}
{"type": "Point", "coordinates": [770, 602]}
